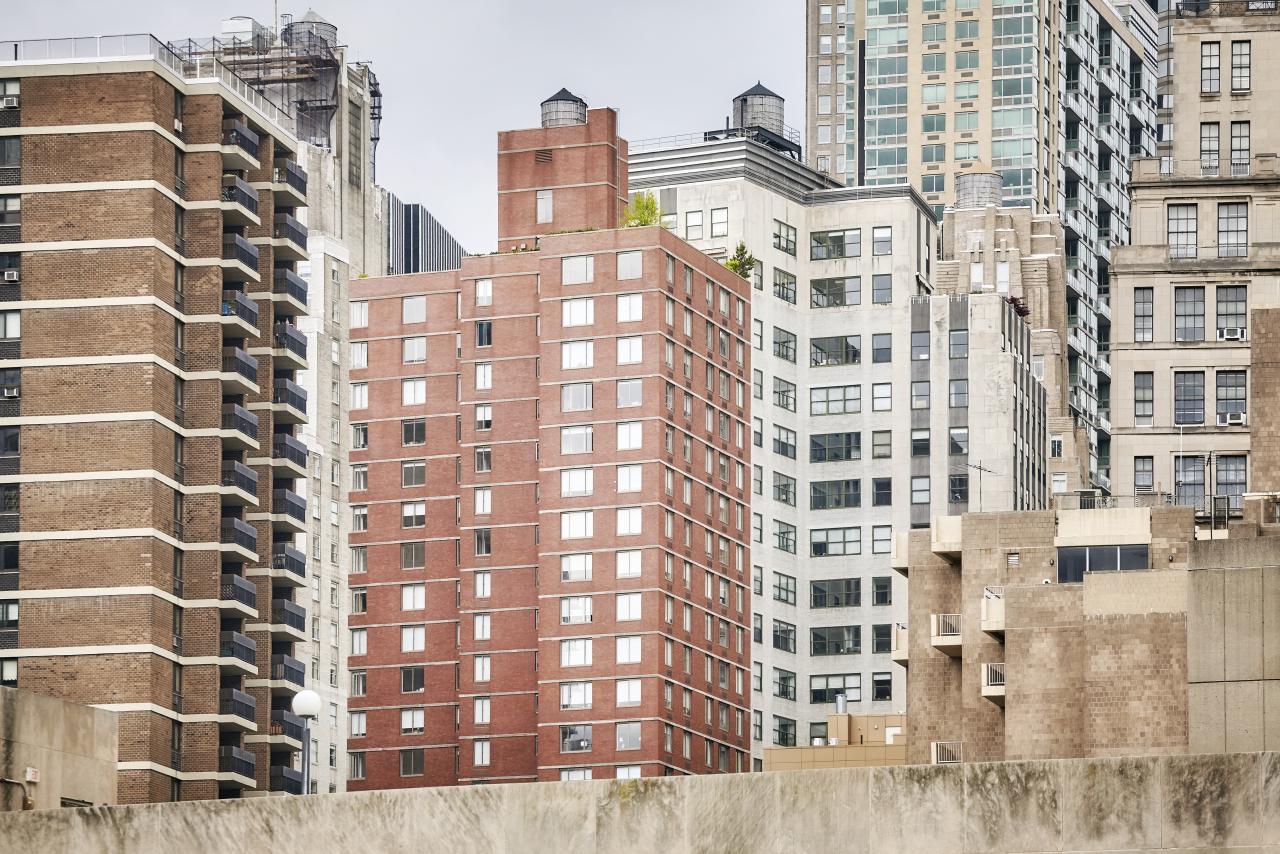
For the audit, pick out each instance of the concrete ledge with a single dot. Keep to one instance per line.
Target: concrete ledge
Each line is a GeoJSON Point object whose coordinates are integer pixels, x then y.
{"type": "Point", "coordinates": [1134, 804]}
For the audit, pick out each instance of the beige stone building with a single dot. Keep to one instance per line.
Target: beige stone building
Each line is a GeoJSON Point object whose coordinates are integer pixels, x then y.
{"type": "Point", "coordinates": [55, 754]}
{"type": "Point", "coordinates": [1199, 265]}
{"type": "Point", "coordinates": [852, 741]}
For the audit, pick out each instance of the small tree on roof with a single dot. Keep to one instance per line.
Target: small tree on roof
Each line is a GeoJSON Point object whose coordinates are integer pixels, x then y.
{"type": "Point", "coordinates": [643, 210]}
{"type": "Point", "coordinates": [742, 262]}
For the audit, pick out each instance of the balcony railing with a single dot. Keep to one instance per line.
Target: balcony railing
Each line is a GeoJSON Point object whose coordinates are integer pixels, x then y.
{"type": "Point", "coordinates": [1097, 501]}
{"type": "Point", "coordinates": [286, 502]}
{"type": "Point", "coordinates": [237, 361]}
{"type": "Point", "coordinates": [287, 337]}
{"type": "Point", "coordinates": [236, 760]}
{"type": "Point", "coordinates": [1227, 8]}
{"type": "Point", "coordinates": [286, 447]}
{"type": "Point", "coordinates": [993, 675]}
{"type": "Point", "coordinates": [233, 588]}
{"type": "Point", "coordinates": [289, 283]}
{"type": "Point", "coordinates": [237, 532]}
{"type": "Point", "coordinates": [238, 134]}
{"type": "Point", "coordinates": [288, 228]}
{"type": "Point", "coordinates": [236, 417]}
{"type": "Point", "coordinates": [238, 703]}
{"type": "Point", "coordinates": [286, 723]}
{"type": "Point", "coordinates": [286, 613]}
{"type": "Point", "coordinates": [237, 475]}
{"type": "Point", "coordinates": [237, 248]}
{"type": "Point", "coordinates": [239, 191]}
{"type": "Point", "coordinates": [237, 646]}
{"type": "Point", "coordinates": [288, 669]}
{"type": "Point", "coordinates": [289, 559]}
{"type": "Point", "coordinates": [1238, 165]}
{"type": "Point", "coordinates": [948, 625]}
{"type": "Point", "coordinates": [289, 172]}
{"type": "Point", "coordinates": [238, 304]}
{"type": "Point", "coordinates": [289, 393]}
{"type": "Point", "coordinates": [945, 752]}
{"type": "Point", "coordinates": [284, 779]}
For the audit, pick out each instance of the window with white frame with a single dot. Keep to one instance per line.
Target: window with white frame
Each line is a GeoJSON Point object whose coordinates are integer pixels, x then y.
{"type": "Point", "coordinates": [413, 392]}
{"type": "Point", "coordinates": [577, 269]}
{"type": "Point", "coordinates": [579, 311]}
{"type": "Point", "coordinates": [413, 309]}
{"type": "Point", "coordinates": [575, 652]}
{"type": "Point", "coordinates": [544, 206]}
{"type": "Point", "coordinates": [630, 351]}
{"type": "Point", "coordinates": [630, 308]}
{"type": "Point", "coordinates": [629, 435]}
{"type": "Point", "coordinates": [577, 524]}
{"type": "Point", "coordinates": [630, 265]}
{"type": "Point", "coordinates": [414, 350]}
{"type": "Point", "coordinates": [577, 354]}
{"type": "Point", "coordinates": [628, 521]}
{"type": "Point", "coordinates": [413, 638]}
{"type": "Point", "coordinates": [627, 649]}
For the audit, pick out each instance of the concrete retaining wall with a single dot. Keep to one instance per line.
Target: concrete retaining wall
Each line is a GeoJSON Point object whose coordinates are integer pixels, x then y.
{"type": "Point", "coordinates": [1210, 802]}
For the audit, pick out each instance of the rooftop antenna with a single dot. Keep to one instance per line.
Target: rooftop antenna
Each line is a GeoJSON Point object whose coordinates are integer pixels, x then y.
{"type": "Point", "coordinates": [980, 469]}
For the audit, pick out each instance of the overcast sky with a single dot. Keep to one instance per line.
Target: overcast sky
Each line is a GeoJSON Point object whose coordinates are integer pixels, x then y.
{"type": "Point", "coordinates": [455, 72]}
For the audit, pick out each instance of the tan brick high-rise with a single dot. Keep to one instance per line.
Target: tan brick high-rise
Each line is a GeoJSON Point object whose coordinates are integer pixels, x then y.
{"type": "Point", "coordinates": [551, 492]}
{"type": "Point", "coordinates": [148, 244]}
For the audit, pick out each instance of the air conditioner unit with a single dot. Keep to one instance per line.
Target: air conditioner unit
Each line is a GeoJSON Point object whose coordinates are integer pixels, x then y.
{"type": "Point", "coordinates": [12, 276]}
{"type": "Point", "coordinates": [1231, 419]}
{"type": "Point", "coordinates": [9, 103]}
{"type": "Point", "coordinates": [177, 125]}
{"type": "Point", "coordinates": [1231, 333]}
{"type": "Point", "coordinates": [11, 391]}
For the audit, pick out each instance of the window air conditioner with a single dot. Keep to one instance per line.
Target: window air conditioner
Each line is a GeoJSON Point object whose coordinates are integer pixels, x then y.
{"type": "Point", "coordinates": [177, 125]}
{"type": "Point", "coordinates": [9, 103]}
{"type": "Point", "coordinates": [12, 276]}
{"type": "Point", "coordinates": [9, 391]}
{"type": "Point", "coordinates": [1236, 419]}
{"type": "Point", "coordinates": [1231, 333]}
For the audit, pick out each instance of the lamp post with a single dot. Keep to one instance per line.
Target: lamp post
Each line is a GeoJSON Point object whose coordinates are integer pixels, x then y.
{"type": "Point", "coordinates": [306, 705]}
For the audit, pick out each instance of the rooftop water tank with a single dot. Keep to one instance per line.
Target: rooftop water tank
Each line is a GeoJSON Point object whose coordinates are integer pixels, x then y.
{"type": "Point", "coordinates": [978, 187]}
{"type": "Point", "coordinates": [310, 27]}
{"type": "Point", "coordinates": [563, 108]}
{"type": "Point", "coordinates": [758, 107]}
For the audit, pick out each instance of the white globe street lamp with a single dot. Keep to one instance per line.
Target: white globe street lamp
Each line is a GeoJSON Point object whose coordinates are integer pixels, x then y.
{"type": "Point", "coordinates": [306, 705]}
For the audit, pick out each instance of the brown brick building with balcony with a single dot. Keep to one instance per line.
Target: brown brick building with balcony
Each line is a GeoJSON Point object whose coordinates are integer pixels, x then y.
{"type": "Point", "coordinates": [551, 489]}
{"type": "Point", "coordinates": [148, 245]}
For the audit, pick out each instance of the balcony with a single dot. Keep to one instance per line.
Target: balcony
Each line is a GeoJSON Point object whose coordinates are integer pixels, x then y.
{"type": "Point", "coordinates": [993, 682]}
{"type": "Point", "coordinates": [239, 484]}
{"type": "Point", "coordinates": [239, 146]}
{"type": "Point", "coordinates": [288, 620]}
{"type": "Point", "coordinates": [239, 371]}
{"type": "Point", "coordinates": [238, 306]}
{"type": "Point", "coordinates": [945, 752]}
{"type": "Point", "coordinates": [993, 610]}
{"type": "Point", "coordinates": [289, 510]}
{"type": "Point", "coordinates": [945, 535]}
{"type": "Point", "coordinates": [289, 237]}
{"type": "Point", "coordinates": [289, 289]}
{"type": "Point", "coordinates": [289, 180]}
{"type": "Point", "coordinates": [290, 347]}
{"type": "Point", "coordinates": [239, 652]}
{"type": "Point", "coordinates": [944, 633]}
{"type": "Point", "coordinates": [285, 724]}
{"type": "Point", "coordinates": [239, 259]}
{"type": "Point", "coordinates": [289, 453]}
{"type": "Point", "coordinates": [289, 402]}
{"type": "Point", "coordinates": [284, 779]}
{"type": "Point", "coordinates": [898, 651]}
{"type": "Point", "coordinates": [238, 533]}
{"type": "Point", "coordinates": [290, 561]}
{"type": "Point", "coordinates": [898, 548]}
{"type": "Point", "coordinates": [288, 675]}
{"type": "Point", "coordinates": [239, 707]}
{"type": "Point", "coordinates": [239, 201]}
{"type": "Point", "coordinates": [233, 588]}
{"type": "Point", "coordinates": [240, 762]}
{"type": "Point", "coordinates": [239, 426]}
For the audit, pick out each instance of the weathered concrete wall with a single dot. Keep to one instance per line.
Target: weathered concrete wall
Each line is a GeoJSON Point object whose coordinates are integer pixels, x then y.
{"type": "Point", "coordinates": [72, 746]}
{"type": "Point", "coordinates": [1138, 804]}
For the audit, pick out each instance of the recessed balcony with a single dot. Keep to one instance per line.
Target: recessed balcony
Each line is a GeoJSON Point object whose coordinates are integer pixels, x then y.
{"type": "Point", "coordinates": [239, 427]}
{"type": "Point", "coordinates": [288, 675]}
{"type": "Point", "coordinates": [289, 453]}
{"type": "Point", "coordinates": [239, 201]}
{"type": "Point", "coordinates": [239, 146]}
{"type": "Point", "coordinates": [239, 259]}
{"type": "Point", "coordinates": [239, 371]}
{"type": "Point", "coordinates": [288, 620]}
{"type": "Point", "coordinates": [237, 767]}
{"type": "Point", "coordinates": [898, 650]}
{"type": "Point", "coordinates": [289, 237]}
{"type": "Point", "coordinates": [239, 315]}
{"type": "Point", "coordinates": [239, 534]}
{"type": "Point", "coordinates": [993, 610]}
{"type": "Point", "coordinates": [944, 633]}
{"type": "Point", "coordinates": [235, 591]}
{"type": "Point", "coordinates": [289, 183]}
{"type": "Point", "coordinates": [287, 567]}
{"type": "Point", "coordinates": [239, 484]}
{"type": "Point", "coordinates": [236, 710]}
{"type": "Point", "coordinates": [993, 682]}
{"type": "Point", "coordinates": [284, 779]}
{"type": "Point", "coordinates": [238, 653]}
{"type": "Point", "coordinates": [289, 291]}
{"type": "Point", "coordinates": [288, 512]}
{"type": "Point", "coordinates": [288, 402]}
{"type": "Point", "coordinates": [289, 347]}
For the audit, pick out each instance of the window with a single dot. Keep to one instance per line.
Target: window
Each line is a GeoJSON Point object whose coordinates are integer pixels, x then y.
{"type": "Point", "coordinates": [882, 240]}
{"type": "Point", "coordinates": [359, 436]}
{"type": "Point", "coordinates": [629, 393]}
{"type": "Point", "coordinates": [839, 350]}
{"type": "Point", "coordinates": [933, 152]}
{"type": "Point", "coordinates": [784, 237]}
{"type": "Point", "coordinates": [359, 314]}
{"type": "Point", "coordinates": [413, 555]}
{"type": "Point", "coordinates": [484, 291]}
{"type": "Point", "coordinates": [1233, 308]}
{"type": "Point", "coordinates": [784, 394]}
{"type": "Point", "coordinates": [1143, 475]}
{"type": "Point", "coordinates": [825, 689]}
{"type": "Point", "coordinates": [881, 289]}
{"type": "Point", "coordinates": [959, 344]}
{"type": "Point", "coordinates": [10, 325]}
{"type": "Point", "coordinates": [411, 721]}
{"type": "Point", "coordinates": [824, 245]}
{"type": "Point", "coordinates": [1241, 71]}
{"type": "Point", "coordinates": [1188, 397]}
{"type": "Point", "coordinates": [577, 312]}
{"type": "Point", "coordinates": [577, 524]}
{"type": "Point", "coordinates": [958, 393]}
{"type": "Point", "coordinates": [413, 392]}
{"type": "Point", "coordinates": [1210, 67]}
{"type": "Point", "coordinates": [693, 225]}
{"type": "Point", "coordinates": [627, 521]}
{"type": "Point", "coordinates": [1143, 313]}
{"type": "Point", "coordinates": [1074, 561]}
{"type": "Point", "coordinates": [483, 458]}
{"type": "Point", "coordinates": [1233, 229]}
{"type": "Point", "coordinates": [483, 668]}
{"type": "Point", "coordinates": [920, 490]}
{"type": "Point", "coordinates": [411, 762]}
{"type": "Point", "coordinates": [784, 636]}
{"type": "Point", "coordinates": [629, 436]}
{"type": "Point", "coordinates": [627, 735]}
{"type": "Point", "coordinates": [835, 494]}
{"type": "Point", "coordinates": [484, 416]}
{"type": "Point", "coordinates": [630, 265]}
{"type": "Point", "coordinates": [881, 687]}
{"type": "Point", "coordinates": [835, 542]}
{"type": "Point", "coordinates": [834, 447]}
{"type": "Point", "coordinates": [575, 652]}
{"type": "Point", "coordinates": [1231, 392]}
{"type": "Point", "coordinates": [784, 285]}
{"type": "Point", "coordinates": [965, 150]}
{"type": "Point", "coordinates": [576, 440]}
{"type": "Point", "coordinates": [576, 354]}
{"type": "Point", "coordinates": [835, 293]}
{"type": "Point", "coordinates": [958, 488]}
{"type": "Point", "coordinates": [1209, 147]}
{"type": "Point", "coordinates": [1182, 231]}
{"type": "Point", "coordinates": [1188, 314]}
{"type": "Point", "coordinates": [481, 752]}
{"type": "Point", "coordinates": [630, 351]}
{"type": "Point", "coordinates": [359, 517]}
{"type": "Point", "coordinates": [784, 536]}
{"type": "Point", "coordinates": [413, 309]}
{"type": "Point", "coordinates": [835, 400]}
{"type": "Point", "coordinates": [881, 397]}
{"type": "Point", "coordinates": [11, 210]}
{"type": "Point", "coordinates": [627, 692]}
{"type": "Point", "coordinates": [575, 609]}
{"type": "Point", "coordinates": [577, 269]}
{"type": "Point", "coordinates": [881, 445]}
{"type": "Point", "coordinates": [575, 397]}
{"type": "Point", "coordinates": [414, 350]}
{"type": "Point", "coordinates": [413, 431]}
{"type": "Point", "coordinates": [881, 537]}
{"type": "Point", "coordinates": [784, 344]}
{"type": "Point", "coordinates": [359, 395]}
{"type": "Point", "coordinates": [835, 640]}
{"type": "Point", "coordinates": [413, 638]}
{"type": "Point", "coordinates": [626, 564]}
{"type": "Point", "coordinates": [882, 591]}
{"type": "Point", "coordinates": [484, 375]}
{"type": "Point", "coordinates": [627, 649]}
{"type": "Point", "coordinates": [881, 348]}
{"type": "Point", "coordinates": [835, 593]}
{"type": "Point", "coordinates": [413, 514]}
{"type": "Point", "coordinates": [544, 207]}
{"type": "Point", "coordinates": [719, 222]}
{"type": "Point", "coordinates": [935, 32]}
{"type": "Point", "coordinates": [1143, 398]}
{"type": "Point", "coordinates": [630, 308]}
{"type": "Point", "coordinates": [784, 441]}
{"type": "Point", "coordinates": [784, 488]}
{"type": "Point", "coordinates": [575, 695]}
{"type": "Point", "coordinates": [1231, 479]}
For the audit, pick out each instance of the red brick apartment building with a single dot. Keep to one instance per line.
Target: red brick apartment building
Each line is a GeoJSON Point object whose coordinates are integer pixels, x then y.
{"type": "Point", "coordinates": [551, 503]}
{"type": "Point", "coordinates": [148, 408]}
